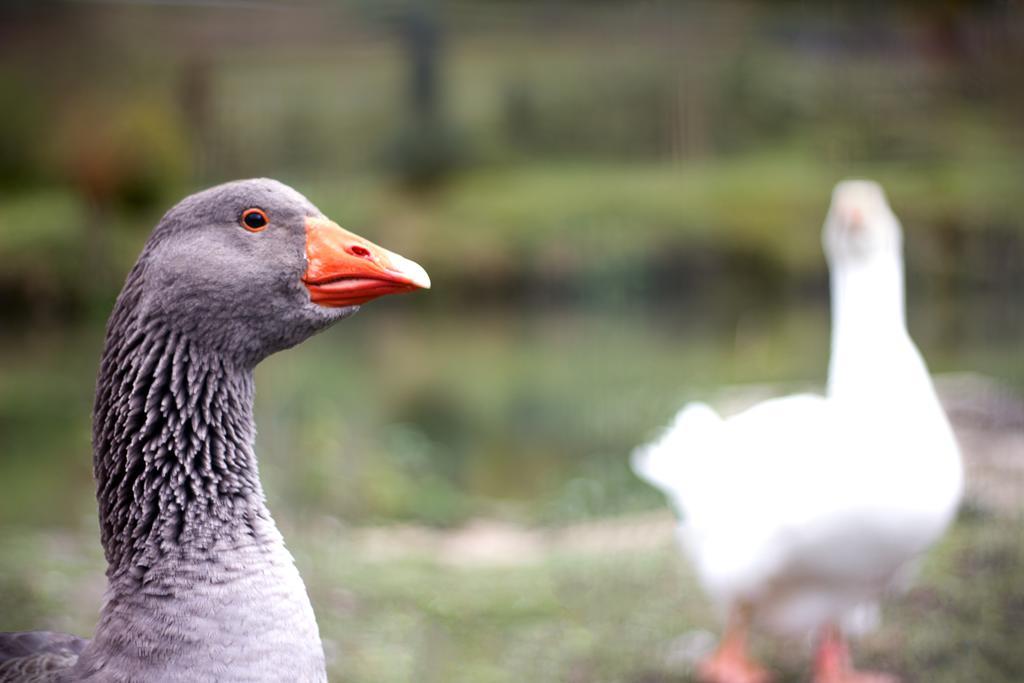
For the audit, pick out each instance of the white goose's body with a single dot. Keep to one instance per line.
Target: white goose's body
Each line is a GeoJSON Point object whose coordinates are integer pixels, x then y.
{"type": "Point", "coordinates": [802, 509]}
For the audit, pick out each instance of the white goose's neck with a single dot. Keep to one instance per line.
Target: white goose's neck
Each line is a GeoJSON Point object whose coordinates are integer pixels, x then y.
{"type": "Point", "coordinates": [870, 345]}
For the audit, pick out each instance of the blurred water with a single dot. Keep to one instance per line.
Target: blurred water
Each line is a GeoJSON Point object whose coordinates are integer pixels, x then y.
{"type": "Point", "coordinates": [439, 415]}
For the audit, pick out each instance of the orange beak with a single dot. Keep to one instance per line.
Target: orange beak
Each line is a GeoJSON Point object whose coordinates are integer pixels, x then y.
{"type": "Point", "coordinates": [343, 269]}
{"type": "Point", "coordinates": [852, 215]}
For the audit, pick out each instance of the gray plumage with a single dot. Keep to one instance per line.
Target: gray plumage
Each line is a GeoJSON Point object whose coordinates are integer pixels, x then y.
{"type": "Point", "coordinates": [200, 585]}
{"type": "Point", "coordinates": [37, 656]}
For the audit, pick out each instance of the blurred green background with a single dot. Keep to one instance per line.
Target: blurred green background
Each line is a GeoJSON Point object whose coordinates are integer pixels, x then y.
{"type": "Point", "coordinates": [619, 205]}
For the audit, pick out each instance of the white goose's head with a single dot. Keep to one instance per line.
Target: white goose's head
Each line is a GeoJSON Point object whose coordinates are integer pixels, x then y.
{"type": "Point", "coordinates": [860, 225]}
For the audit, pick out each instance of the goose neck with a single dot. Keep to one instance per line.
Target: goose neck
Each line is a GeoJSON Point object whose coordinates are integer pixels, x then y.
{"type": "Point", "coordinates": [173, 454]}
{"type": "Point", "coordinates": [870, 343]}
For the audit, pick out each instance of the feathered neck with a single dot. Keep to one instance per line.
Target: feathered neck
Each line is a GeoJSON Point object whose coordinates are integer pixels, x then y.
{"type": "Point", "coordinates": [173, 441]}
{"type": "Point", "coordinates": [869, 333]}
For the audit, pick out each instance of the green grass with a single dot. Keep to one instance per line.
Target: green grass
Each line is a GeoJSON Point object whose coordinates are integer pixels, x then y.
{"type": "Point", "coordinates": [604, 615]}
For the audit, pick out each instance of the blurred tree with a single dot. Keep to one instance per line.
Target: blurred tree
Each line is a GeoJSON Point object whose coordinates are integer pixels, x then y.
{"type": "Point", "coordinates": [428, 149]}
{"type": "Point", "coordinates": [196, 104]}
{"type": "Point", "coordinates": [118, 156]}
{"type": "Point", "coordinates": [22, 120]}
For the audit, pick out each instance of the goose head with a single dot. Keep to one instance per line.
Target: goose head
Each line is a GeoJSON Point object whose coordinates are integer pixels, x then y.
{"type": "Point", "coordinates": [860, 225]}
{"type": "Point", "coordinates": [252, 267]}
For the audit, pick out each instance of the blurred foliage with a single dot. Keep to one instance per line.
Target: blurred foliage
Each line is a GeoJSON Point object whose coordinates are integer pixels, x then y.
{"type": "Point", "coordinates": [426, 153]}
{"type": "Point", "coordinates": [21, 119]}
{"type": "Point", "coordinates": [658, 171]}
{"type": "Point", "coordinates": [589, 141]}
{"type": "Point", "coordinates": [619, 204]}
{"type": "Point", "coordinates": [127, 155]}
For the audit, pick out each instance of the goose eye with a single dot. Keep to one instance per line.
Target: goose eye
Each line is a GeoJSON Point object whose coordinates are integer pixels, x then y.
{"type": "Point", "coordinates": [254, 220]}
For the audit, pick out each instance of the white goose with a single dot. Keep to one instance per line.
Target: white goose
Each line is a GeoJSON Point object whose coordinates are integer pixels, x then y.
{"type": "Point", "coordinates": [798, 512]}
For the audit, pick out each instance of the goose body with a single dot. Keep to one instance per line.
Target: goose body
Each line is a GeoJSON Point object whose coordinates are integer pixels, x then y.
{"type": "Point", "coordinates": [798, 512]}
{"type": "Point", "coordinates": [200, 586]}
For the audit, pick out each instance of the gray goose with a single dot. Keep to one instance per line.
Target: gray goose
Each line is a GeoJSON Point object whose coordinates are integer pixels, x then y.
{"type": "Point", "coordinates": [200, 586]}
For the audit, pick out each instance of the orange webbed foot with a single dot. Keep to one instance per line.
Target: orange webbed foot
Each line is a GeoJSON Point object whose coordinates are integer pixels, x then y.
{"type": "Point", "coordinates": [833, 662]}
{"type": "Point", "coordinates": [858, 677]}
{"type": "Point", "coordinates": [729, 667]}
{"type": "Point", "coordinates": [731, 662]}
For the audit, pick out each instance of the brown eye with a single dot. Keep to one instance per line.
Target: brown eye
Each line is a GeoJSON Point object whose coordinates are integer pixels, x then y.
{"type": "Point", "coordinates": [254, 220]}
